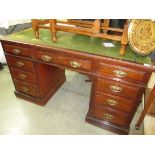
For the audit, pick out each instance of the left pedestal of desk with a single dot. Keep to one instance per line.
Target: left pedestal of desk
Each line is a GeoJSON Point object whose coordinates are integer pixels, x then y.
{"type": "Point", "coordinates": [33, 81]}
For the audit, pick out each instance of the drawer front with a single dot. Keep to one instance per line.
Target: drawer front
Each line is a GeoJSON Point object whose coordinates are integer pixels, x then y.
{"type": "Point", "coordinates": [76, 63]}
{"type": "Point", "coordinates": [26, 88]}
{"type": "Point", "coordinates": [20, 63]}
{"type": "Point", "coordinates": [114, 102]}
{"type": "Point", "coordinates": [17, 50]}
{"type": "Point", "coordinates": [23, 75]}
{"type": "Point", "coordinates": [62, 60]}
{"type": "Point", "coordinates": [122, 72]}
{"type": "Point", "coordinates": [118, 88]}
{"type": "Point", "coordinates": [111, 116]}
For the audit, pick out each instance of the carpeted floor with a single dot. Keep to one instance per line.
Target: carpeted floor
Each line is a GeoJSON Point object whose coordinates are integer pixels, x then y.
{"type": "Point", "coordinates": [63, 114]}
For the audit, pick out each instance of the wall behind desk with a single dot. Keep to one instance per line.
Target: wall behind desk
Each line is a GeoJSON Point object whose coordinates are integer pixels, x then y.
{"type": "Point", "coordinates": [11, 26]}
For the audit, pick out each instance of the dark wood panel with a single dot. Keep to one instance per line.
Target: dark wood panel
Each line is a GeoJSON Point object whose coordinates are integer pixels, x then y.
{"type": "Point", "coordinates": [20, 63]}
{"type": "Point", "coordinates": [41, 101]}
{"type": "Point", "coordinates": [123, 73]}
{"type": "Point", "coordinates": [118, 88]}
{"type": "Point", "coordinates": [47, 77]}
{"type": "Point", "coordinates": [111, 116]}
{"type": "Point", "coordinates": [107, 125]}
{"type": "Point", "coordinates": [17, 50]}
{"type": "Point", "coordinates": [115, 102]}
{"type": "Point", "coordinates": [26, 88]}
{"type": "Point", "coordinates": [68, 61]}
{"type": "Point", "coordinates": [23, 75]}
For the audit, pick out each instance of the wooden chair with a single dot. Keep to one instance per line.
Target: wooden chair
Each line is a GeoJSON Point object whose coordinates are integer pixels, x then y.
{"type": "Point", "coordinates": [98, 28]}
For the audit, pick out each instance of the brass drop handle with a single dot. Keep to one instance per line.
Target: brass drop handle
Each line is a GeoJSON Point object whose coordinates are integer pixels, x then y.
{"type": "Point", "coordinates": [16, 51]}
{"type": "Point", "coordinates": [75, 64]}
{"type": "Point", "coordinates": [46, 58]}
{"type": "Point", "coordinates": [115, 89]}
{"type": "Point", "coordinates": [108, 116]}
{"type": "Point", "coordinates": [22, 76]}
{"type": "Point", "coordinates": [120, 73]}
{"type": "Point", "coordinates": [25, 89]}
{"type": "Point", "coordinates": [112, 102]}
{"type": "Point", "coordinates": [20, 64]}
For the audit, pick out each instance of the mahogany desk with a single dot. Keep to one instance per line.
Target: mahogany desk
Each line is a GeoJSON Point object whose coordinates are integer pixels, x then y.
{"type": "Point", "coordinates": [38, 68]}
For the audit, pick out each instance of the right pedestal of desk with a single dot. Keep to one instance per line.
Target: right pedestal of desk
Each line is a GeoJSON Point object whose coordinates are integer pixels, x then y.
{"type": "Point", "coordinates": [116, 94]}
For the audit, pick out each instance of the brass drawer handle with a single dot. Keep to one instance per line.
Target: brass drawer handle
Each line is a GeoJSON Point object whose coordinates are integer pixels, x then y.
{"type": "Point", "coordinates": [108, 116]}
{"type": "Point", "coordinates": [19, 63]}
{"type": "Point", "coordinates": [120, 73]}
{"type": "Point", "coordinates": [112, 102]}
{"type": "Point", "coordinates": [46, 58]}
{"type": "Point", "coordinates": [22, 76]}
{"type": "Point", "coordinates": [75, 64]}
{"type": "Point", "coordinates": [16, 51]}
{"type": "Point", "coordinates": [25, 89]}
{"type": "Point", "coordinates": [115, 89]}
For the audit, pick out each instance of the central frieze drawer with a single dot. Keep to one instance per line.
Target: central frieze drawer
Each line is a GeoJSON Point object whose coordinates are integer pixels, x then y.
{"type": "Point", "coordinates": [122, 73]}
{"type": "Point", "coordinates": [26, 88]}
{"type": "Point", "coordinates": [76, 63]}
{"type": "Point", "coordinates": [111, 116]}
{"type": "Point", "coordinates": [23, 75]}
{"type": "Point", "coordinates": [115, 102]}
{"type": "Point", "coordinates": [17, 50]}
{"type": "Point", "coordinates": [68, 61]}
{"type": "Point", "coordinates": [118, 88]}
{"type": "Point", "coordinates": [20, 63]}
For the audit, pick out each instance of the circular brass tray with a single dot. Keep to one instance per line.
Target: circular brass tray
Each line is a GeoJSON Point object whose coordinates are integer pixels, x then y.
{"type": "Point", "coordinates": [141, 36]}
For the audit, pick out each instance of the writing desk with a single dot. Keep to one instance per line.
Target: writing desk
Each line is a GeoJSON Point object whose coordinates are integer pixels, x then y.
{"type": "Point", "coordinates": [38, 68]}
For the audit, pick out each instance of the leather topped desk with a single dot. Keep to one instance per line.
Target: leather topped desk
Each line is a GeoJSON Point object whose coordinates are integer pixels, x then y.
{"type": "Point", "coordinates": [38, 68]}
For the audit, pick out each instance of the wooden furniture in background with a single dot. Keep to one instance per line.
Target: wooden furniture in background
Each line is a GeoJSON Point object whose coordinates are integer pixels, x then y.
{"type": "Point", "coordinates": [98, 28]}
{"type": "Point", "coordinates": [37, 24]}
{"type": "Point", "coordinates": [142, 40]}
{"type": "Point", "coordinates": [149, 106]}
{"type": "Point", "coordinates": [141, 36]}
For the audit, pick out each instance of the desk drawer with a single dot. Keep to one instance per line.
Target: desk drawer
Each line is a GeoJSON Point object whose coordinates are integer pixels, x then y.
{"type": "Point", "coordinates": [114, 102]}
{"type": "Point", "coordinates": [20, 63]}
{"type": "Point", "coordinates": [26, 88]}
{"type": "Point", "coordinates": [68, 61]}
{"type": "Point", "coordinates": [23, 75]}
{"type": "Point", "coordinates": [118, 88]}
{"type": "Point", "coordinates": [17, 50]}
{"type": "Point", "coordinates": [122, 72]}
{"type": "Point", "coordinates": [111, 116]}
{"type": "Point", "coordinates": [76, 63]}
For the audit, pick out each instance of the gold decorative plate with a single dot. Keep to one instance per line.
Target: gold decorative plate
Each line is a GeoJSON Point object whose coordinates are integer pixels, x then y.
{"type": "Point", "coordinates": [141, 36]}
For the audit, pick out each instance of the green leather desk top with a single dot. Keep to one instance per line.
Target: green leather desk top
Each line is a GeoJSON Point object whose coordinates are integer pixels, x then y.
{"type": "Point", "coordinates": [78, 42]}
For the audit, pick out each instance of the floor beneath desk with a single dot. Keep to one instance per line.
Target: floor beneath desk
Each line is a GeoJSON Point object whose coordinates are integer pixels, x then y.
{"type": "Point", "coordinates": [63, 114]}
